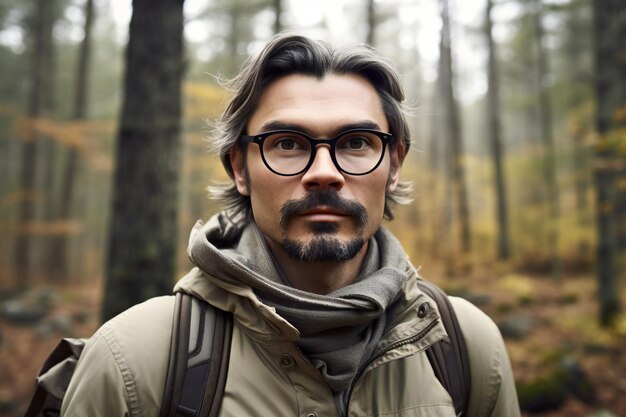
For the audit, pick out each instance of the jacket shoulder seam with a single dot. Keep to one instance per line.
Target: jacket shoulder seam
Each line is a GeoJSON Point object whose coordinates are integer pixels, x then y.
{"type": "Point", "coordinates": [127, 374]}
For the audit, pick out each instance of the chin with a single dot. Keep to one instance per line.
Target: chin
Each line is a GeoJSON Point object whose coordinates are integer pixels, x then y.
{"type": "Point", "coordinates": [323, 248]}
{"type": "Point", "coordinates": [324, 228]}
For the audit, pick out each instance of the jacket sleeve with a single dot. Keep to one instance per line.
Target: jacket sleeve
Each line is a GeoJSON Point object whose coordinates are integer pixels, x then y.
{"type": "Point", "coordinates": [493, 392]}
{"type": "Point", "coordinates": [122, 369]}
{"type": "Point", "coordinates": [97, 387]}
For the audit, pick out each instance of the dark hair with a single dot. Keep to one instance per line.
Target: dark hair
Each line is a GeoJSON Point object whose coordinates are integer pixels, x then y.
{"type": "Point", "coordinates": [288, 54]}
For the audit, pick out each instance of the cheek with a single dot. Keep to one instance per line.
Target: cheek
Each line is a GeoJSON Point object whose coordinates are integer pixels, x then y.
{"type": "Point", "coordinates": [265, 211]}
{"type": "Point", "coordinates": [378, 209]}
{"type": "Point", "coordinates": [374, 197]}
{"type": "Point", "coordinates": [267, 195]}
{"type": "Point", "coordinates": [262, 195]}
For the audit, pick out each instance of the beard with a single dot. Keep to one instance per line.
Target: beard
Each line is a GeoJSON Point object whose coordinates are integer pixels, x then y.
{"type": "Point", "coordinates": [323, 249]}
{"type": "Point", "coordinates": [324, 246]}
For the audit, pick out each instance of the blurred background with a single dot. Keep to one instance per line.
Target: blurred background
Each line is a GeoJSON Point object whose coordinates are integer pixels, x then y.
{"type": "Point", "coordinates": [518, 117]}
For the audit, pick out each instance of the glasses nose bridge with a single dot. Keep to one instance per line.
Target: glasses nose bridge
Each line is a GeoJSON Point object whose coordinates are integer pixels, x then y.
{"type": "Point", "coordinates": [326, 143]}
{"type": "Point", "coordinates": [315, 142]}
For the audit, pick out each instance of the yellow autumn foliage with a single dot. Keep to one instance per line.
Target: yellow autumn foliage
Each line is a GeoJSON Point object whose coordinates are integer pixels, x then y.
{"type": "Point", "coordinates": [518, 285]}
{"type": "Point", "coordinates": [71, 133]}
{"type": "Point", "coordinates": [619, 115]}
{"type": "Point", "coordinates": [620, 326]}
{"type": "Point", "coordinates": [8, 110]}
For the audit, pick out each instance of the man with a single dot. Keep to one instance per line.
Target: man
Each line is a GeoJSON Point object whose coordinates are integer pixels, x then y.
{"type": "Point", "coordinates": [329, 320]}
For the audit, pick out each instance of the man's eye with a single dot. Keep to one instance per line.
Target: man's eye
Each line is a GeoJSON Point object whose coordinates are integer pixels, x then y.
{"type": "Point", "coordinates": [286, 144]}
{"type": "Point", "coordinates": [357, 143]}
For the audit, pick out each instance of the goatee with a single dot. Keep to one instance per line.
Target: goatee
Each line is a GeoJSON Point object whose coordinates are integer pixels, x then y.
{"type": "Point", "coordinates": [324, 247]}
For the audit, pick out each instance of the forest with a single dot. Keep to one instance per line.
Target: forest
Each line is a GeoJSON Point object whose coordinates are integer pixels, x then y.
{"type": "Point", "coordinates": [518, 121]}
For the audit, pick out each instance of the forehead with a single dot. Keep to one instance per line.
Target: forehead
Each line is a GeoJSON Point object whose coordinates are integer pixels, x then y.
{"type": "Point", "coordinates": [318, 105]}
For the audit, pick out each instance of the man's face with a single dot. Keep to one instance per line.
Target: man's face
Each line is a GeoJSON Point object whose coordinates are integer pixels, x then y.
{"type": "Point", "coordinates": [321, 214]}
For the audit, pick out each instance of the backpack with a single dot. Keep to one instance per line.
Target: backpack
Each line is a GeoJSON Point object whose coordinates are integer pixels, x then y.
{"type": "Point", "coordinates": [199, 356]}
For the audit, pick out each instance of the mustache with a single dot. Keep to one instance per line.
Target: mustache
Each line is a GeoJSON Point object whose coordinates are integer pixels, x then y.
{"type": "Point", "coordinates": [327, 198]}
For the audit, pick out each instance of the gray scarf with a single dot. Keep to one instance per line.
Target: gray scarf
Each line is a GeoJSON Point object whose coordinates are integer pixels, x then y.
{"type": "Point", "coordinates": [347, 324]}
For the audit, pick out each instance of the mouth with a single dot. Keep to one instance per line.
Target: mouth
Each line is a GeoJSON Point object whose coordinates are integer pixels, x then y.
{"type": "Point", "coordinates": [323, 214]}
{"type": "Point", "coordinates": [324, 208]}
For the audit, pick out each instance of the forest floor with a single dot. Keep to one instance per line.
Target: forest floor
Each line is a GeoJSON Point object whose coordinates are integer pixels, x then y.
{"type": "Point", "coordinates": [556, 320]}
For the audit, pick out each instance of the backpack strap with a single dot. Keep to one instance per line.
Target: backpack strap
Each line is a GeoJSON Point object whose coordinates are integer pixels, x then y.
{"type": "Point", "coordinates": [198, 363]}
{"type": "Point", "coordinates": [449, 357]}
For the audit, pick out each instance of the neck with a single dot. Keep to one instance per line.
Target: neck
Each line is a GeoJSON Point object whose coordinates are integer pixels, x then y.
{"type": "Point", "coordinates": [317, 277]}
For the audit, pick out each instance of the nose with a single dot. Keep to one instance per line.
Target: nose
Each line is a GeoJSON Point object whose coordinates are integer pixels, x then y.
{"type": "Point", "coordinates": [323, 174]}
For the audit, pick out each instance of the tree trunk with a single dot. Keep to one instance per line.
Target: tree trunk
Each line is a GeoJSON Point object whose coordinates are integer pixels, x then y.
{"type": "Point", "coordinates": [610, 89]}
{"type": "Point", "coordinates": [142, 240]}
{"type": "Point", "coordinates": [61, 246]}
{"type": "Point", "coordinates": [82, 70]}
{"type": "Point", "coordinates": [441, 226]}
{"type": "Point", "coordinates": [547, 136]}
{"type": "Point", "coordinates": [452, 121]}
{"type": "Point", "coordinates": [495, 134]}
{"type": "Point", "coordinates": [50, 153]}
{"type": "Point", "coordinates": [575, 48]}
{"type": "Point", "coordinates": [578, 32]}
{"type": "Point", "coordinates": [40, 86]}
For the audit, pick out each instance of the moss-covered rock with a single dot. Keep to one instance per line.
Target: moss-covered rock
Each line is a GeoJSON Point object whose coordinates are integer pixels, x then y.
{"type": "Point", "coordinates": [564, 376]}
{"type": "Point", "coordinates": [602, 413]}
{"type": "Point", "coordinates": [516, 326]}
{"type": "Point", "coordinates": [576, 380]}
{"type": "Point", "coordinates": [543, 394]}
{"type": "Point", "coordinates": [7, 404]}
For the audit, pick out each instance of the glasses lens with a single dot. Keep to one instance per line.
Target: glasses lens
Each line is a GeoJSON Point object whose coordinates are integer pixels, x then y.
{"type": "Point", "coordinates": [358, 152]}
{"type": "Point", "coordinates": [286, 152]}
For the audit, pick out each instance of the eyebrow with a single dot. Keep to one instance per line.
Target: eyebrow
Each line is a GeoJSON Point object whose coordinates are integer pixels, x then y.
{"type": "Point", "coordinates": [278, 125]}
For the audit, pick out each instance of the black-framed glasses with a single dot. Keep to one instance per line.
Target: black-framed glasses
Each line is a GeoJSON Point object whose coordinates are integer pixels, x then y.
{"type": "Point", "coordinates": [289, 152]}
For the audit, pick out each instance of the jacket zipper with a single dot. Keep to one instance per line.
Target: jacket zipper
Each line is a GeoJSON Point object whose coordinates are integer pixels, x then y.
{"type": "Point", "coordinates": [395, 345]}
{"type": "Point", "coordinates": [402, 342]}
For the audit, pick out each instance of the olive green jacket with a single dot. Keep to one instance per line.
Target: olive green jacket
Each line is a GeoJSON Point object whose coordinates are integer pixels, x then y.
{"type": "Point", "coordinates": [122, 369]}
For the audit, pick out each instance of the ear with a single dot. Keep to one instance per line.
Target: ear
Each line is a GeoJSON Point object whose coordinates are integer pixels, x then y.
{"type": "Point", "coordinates": [397, 156]}
{"type": "Point", "coordinates": [237, 161]}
